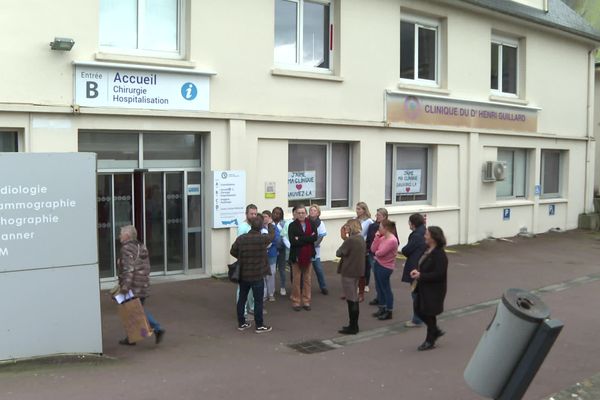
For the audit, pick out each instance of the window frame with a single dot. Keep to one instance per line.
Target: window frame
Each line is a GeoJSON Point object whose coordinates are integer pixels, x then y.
{"type": "Point", "coordinates": [394, 174]}
{"type": "Point", "coordinates": [16, 138]}
{"type": "Point", "coordinates": [179, 54]}
{"type": "Point", "coordinates": [424, 23]}
{"type": "Point", "coordinates": [561, 157]}
{"type": "Point", "coordinates": [525, 173]}
{"type": "Point", "coordinates": [509, 42]}
{"type": "Point", "coordinates": [297, 66]}
{"type": "Point", "coordinates": [328, 170]}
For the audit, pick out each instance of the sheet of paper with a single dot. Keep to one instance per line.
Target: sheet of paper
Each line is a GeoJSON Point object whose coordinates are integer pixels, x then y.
{"type": "Point", "coordinates": [120, 298]}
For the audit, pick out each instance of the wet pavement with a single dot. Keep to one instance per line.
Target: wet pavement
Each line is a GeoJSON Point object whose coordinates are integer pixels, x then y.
{"type": "Point", "coordinates": [204, 356]}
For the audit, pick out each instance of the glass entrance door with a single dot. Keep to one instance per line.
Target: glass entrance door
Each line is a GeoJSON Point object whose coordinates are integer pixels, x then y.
{"type": "Point", "coordinates": [114, 207]}
{"type": "Point", "coordinates": [173, 244]}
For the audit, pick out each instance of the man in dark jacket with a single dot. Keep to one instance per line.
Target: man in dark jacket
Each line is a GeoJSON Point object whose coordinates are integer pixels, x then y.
{"type": "Point", "coordinates": [413, 251]}
{"type": "Point", "coordinates": [133, 268]}
{"type": "Point", "coordinates": [251, 251]}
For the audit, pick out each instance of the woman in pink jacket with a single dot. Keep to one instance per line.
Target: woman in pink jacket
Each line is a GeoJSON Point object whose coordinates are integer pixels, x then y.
{"type": "Point", "coordinates": [385, 248]}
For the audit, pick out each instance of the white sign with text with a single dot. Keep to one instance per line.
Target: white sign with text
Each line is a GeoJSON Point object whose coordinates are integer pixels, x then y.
{"type": "Point", "coordinates": [155, 89]}
{"type": "Point", "coordinates": [408, 181]}
{"type": "Point", "coordinates": [302, 185]}
{"type": "Point", "coordinates": [229, 188]}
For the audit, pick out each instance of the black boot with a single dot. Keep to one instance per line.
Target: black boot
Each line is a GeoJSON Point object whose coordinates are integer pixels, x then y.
{"type": "Point", "coordinates": [355, 314]}
{"type": "Point", "coordinates": [352, 328]}
{"type": "Point", "coordinates": [387, 314]}
{"type": "Point", "coordinates": [379, 312]}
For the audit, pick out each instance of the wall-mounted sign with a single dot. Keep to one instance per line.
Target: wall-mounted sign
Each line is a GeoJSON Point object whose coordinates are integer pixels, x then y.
{"type": "Point", "coordinates": [506, 214]}
{"type": "Point", "coordinates": [270, 190]}
{"type": "Point", "coordinates": [193, 189]}
{"type": "Point", "coordinates": [408, 181]}
{"type": "Point", "coordinates": [552, 209]}
{"type": "Point", "coordinates": [229, 188]}
{"type": "Point", "coordinates": [435, 111]}
{"type": "Point", "coordinates": [301, 185]}
{"type": "Point", "coordinates": [112, 85]}
{"type": "Point", "coordinates": [538, 190]}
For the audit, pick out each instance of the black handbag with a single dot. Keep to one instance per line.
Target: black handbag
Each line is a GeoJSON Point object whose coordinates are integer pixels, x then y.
{"type": "Point", "coordinates": [234, 272]}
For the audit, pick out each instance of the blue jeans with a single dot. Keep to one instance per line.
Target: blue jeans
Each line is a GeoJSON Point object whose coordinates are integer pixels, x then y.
{"type": "Point", "coordinates": [368, 267]}
{"type": "Point", "coordinates": [415, 318]}
{"type": "Point", "coordinates": [384, 287]}
{"type": "Point", "coordinates": [281, 266]}
{"type": "Point", "coordinates": [318, 267]}
{"type": "Point", "coordinates": [153, 323]}
{"type": "Point", "coordinates": [258, 290]}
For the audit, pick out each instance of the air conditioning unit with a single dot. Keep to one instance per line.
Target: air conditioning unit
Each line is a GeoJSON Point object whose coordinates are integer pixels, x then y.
{"type": "Point", "coordinates": [494, 171]}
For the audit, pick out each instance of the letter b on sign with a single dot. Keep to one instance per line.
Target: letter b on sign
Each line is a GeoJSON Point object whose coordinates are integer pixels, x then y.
{"type": "Point", "coordinates": [91, 89]}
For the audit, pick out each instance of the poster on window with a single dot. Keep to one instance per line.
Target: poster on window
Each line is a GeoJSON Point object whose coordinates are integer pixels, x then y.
{"type": "Point", "coordinates": [408, 181]}
{"type": "Point", "coordinates": [301, 185]}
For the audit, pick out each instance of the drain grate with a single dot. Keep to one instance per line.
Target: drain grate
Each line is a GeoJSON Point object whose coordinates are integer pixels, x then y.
{"type": "Point", "coordinates": [311, 347]}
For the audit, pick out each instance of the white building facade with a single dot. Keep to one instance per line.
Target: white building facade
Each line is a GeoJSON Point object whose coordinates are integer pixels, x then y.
{"type": "Point", "coordinates": [477, 113]}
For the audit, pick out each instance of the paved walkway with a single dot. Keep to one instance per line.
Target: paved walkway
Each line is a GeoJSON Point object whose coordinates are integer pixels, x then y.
{"type": "Point", "coordinates": [204, 356]}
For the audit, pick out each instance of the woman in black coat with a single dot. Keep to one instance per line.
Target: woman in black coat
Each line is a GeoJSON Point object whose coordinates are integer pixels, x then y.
{"type": "Point", "coordinates": [431, 284]}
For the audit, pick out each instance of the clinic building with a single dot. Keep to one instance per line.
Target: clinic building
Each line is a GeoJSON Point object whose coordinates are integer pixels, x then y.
{"type": "Point", "coordinates": [478, 113]}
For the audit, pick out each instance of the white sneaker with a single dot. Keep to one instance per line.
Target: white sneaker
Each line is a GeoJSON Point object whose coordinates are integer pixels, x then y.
{"type": "Point", "coordinates": [282, 292]}
{"type": "Point", "coordinates": [263, 329]}
{"type": "Point", "coordinates": [367, 289]}
{"type": "Point", "coordinates": [271, 298]}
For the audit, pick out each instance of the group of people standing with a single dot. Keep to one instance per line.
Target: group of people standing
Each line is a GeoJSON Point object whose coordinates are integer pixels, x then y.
{"type": "Point", "coordinates": [267, 243]}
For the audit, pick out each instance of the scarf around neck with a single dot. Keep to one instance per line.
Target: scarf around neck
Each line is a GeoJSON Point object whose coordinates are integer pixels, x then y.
{"type": "Point", "coordinates": [306, 251]}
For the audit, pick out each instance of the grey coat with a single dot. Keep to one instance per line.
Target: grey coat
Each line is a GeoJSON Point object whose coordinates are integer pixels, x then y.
{"type": "Point", "coordinates": [133, 268]}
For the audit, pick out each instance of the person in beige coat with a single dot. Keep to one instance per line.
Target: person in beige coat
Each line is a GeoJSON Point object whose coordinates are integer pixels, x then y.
{"type": "Point", "coordinates": [352, 268]}
{"type": "Point", "coordinates": [133, 268]}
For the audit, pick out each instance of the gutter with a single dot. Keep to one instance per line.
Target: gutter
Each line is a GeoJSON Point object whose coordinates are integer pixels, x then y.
{"type": "Point", "coordinates": [589, 156]}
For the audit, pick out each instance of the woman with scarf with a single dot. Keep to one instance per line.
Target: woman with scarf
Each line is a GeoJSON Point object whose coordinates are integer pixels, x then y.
{"type": "Point", "coordinates": [302, 234]}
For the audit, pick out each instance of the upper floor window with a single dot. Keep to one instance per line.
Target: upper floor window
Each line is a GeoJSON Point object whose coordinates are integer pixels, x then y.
{"type": "Point", "coordinates": [9, 142]}
{"type": "Point", "coordinates": [419, 50]}
{"type": "Point", "coordinates": [504, 70]}
{"type": "Point", "coordinates": [514, 183]}
{"type": "Point", "coordinates": [303, 34]}
{"type": "Point", "coordinates": [145, 27]}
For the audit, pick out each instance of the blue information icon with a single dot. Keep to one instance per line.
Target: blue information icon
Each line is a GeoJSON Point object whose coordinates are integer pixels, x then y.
{"type": "Point", "coordinates": [506, 214]}
{"type": "Point", "coordinates": [189, 91]}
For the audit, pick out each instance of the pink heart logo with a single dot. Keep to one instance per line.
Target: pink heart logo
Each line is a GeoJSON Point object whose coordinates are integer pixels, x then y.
{"type": "Point", "coordinates": [407, 189]}
{"type": "Point", "coordinates": [299, 186]}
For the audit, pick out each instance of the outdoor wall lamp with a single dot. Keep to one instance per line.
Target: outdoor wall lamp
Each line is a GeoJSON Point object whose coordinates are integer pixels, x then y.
{"type": "Point", "coordinates": [62, 44]}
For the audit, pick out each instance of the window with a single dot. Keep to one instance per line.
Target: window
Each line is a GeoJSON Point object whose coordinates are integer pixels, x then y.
{"type": "Point", "coordinates": [504, 75]}
{"type": "Point", "coordinates": [9, 142]}
{"type": "Point", "coordinates": [513, 186]}
{"type": "Point", "coordinates": [407, 170]}
{"type": "Point", "coordinates": [148, 27]}
{"type": "Point", "coordinates": [129, 150]}
{"type": "Point", "coordinates": [419, 50]}
{"type": "Point", "coordinates": [319, 173]}
{"type": "Point", "coordinates": [551, 174]}
{"type": "Point", "coordinates": [303, 34]}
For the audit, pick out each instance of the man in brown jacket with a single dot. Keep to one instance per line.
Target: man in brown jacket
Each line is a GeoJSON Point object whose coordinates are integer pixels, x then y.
{"type": "Point", "coordinates": [251, 251]}
{"type": "Point", "coordinates": [133, 267]}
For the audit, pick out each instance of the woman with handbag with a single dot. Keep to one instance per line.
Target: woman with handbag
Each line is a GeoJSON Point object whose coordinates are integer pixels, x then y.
{"type": "Point", "coordinates": [430, 285]}
{"type": "Point", "coordinates": [352, 268]}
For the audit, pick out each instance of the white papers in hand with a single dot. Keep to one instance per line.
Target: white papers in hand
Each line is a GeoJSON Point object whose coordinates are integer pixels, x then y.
{"type": "Point", "coordinates": [120, 298]}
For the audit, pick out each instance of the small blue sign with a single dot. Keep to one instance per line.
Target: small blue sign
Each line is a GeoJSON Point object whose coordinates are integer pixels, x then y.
{"type": "Point", "coordinates": [189, 91]}
{"type": "Point", "coordinates": [506, 214]}
{"type": "Point", "coordinates": [538, 190]}
{"type": "Point", "coordinates": [552, 209]}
